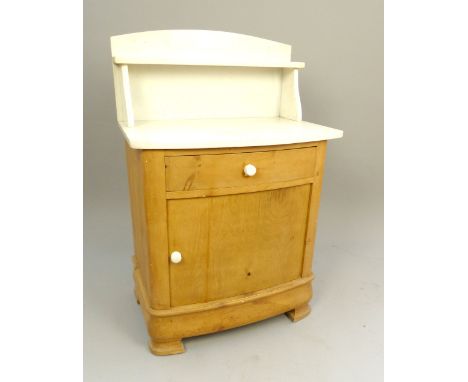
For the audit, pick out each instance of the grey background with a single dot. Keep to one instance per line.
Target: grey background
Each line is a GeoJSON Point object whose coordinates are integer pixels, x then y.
{"type": "Point", "coordinates": [342, 86]}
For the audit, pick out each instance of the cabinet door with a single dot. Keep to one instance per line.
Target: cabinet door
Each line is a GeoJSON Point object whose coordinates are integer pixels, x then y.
{"type": "Point", "coordinates": [236, 244]}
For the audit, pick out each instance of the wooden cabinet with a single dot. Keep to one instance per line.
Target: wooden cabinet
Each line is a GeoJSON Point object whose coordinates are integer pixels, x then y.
{"type": "Point", "coordinates": [240, 238]}
{"type": "Point", "coordinates": [224, 210]}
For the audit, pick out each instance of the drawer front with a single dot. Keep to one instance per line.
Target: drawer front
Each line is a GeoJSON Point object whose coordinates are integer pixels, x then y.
{"type": "Point", "coordinates": [214, 171]}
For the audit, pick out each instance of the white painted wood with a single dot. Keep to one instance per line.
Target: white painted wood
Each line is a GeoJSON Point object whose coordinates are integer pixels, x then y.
{"type": "Point", "coordinates": [198, 62]}
{"type": "Point", "coordinates": [189, 92]}
{"type": "Point", "coordinates": [119, 98]}
{"type": "Point", "coordinates": [189, 46]}
{"type": "Point", "coordinates": [176, 257]}
{"type": "Point", "coordinates": [208, 89]}
{"type": "Point", "coordinates": [290, 98]}
{"type": "Point", "coordinates": [250, 170]}
{"type": "Point", "coordinates": [227, 132]}
{"type": "Point", "coordinates": [202, 86]}
{"type": "Point", "coordinates": [127, 96]}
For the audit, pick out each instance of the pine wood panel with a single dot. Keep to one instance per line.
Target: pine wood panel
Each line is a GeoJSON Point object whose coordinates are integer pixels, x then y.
{"type": "Point", "coordinates": [226, 317]}
{"type": "Point", "coordinates": [152, 162]}
{"type": "Point", "coordinates": [314, 204]}
{"type": "Point", "coordinates": [135, 182]}
{"type": "Point", "coordinates": [211, 305]}
{"type": "Point", "coordinates": [198, 172]}
{"type": "Point", "coordinates": [236, 190]}
{"type": "Point", "coordinates": [236, 244]}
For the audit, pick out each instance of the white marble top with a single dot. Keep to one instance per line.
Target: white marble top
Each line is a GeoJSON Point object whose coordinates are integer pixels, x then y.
{"type": "Point", "coordinates": [225, 132]}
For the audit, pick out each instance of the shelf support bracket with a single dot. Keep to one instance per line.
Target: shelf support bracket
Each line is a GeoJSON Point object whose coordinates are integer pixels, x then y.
{"type": "Point", "coordinates": [290, 107]}
{"type": "Point", "coordinates": [127, 96]}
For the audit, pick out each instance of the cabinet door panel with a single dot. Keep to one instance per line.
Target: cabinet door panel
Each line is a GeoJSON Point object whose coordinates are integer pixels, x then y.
{"type": "Point", "coordinates": [236, 244]}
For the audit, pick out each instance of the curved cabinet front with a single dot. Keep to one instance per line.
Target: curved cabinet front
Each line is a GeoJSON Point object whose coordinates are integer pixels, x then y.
{"type": "Point", "coordinates": [236, 244]}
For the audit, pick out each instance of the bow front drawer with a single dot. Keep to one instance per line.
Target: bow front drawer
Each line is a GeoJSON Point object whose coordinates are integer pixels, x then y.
{"type": "Point", "coordinates": [249, 170]}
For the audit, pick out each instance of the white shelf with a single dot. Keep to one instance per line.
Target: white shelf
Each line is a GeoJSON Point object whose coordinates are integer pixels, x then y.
{"type": "Point", "coordinates": [193, 62]}
{"type": "Point", "coordinates": [224, 132]}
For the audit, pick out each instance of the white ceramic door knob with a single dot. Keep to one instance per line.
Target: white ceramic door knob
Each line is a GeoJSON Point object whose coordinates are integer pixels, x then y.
{"type": "Point", "coordinates": [250, 170]}
{"type": "Point", "coordinates": [176, 257]}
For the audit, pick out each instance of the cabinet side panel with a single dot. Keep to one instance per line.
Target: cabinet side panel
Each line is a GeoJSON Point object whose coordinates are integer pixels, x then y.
{"type": "Point", "coordinates": [314, 203]}
{"type": "Point", "coordinates": [118, 89]}
{"type": "Point", "coordinates": [290, 99]}
{"type": "Point", "coordinates": [152, 162]}
{"type": "Point", "coordinates": [138, 219]}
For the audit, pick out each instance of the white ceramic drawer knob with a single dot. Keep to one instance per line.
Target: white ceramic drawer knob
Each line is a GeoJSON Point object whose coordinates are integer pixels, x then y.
{"type": "Point", "coordinates": [176, 257]}
{"type": "Point", "coordinates": [250, 170]}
